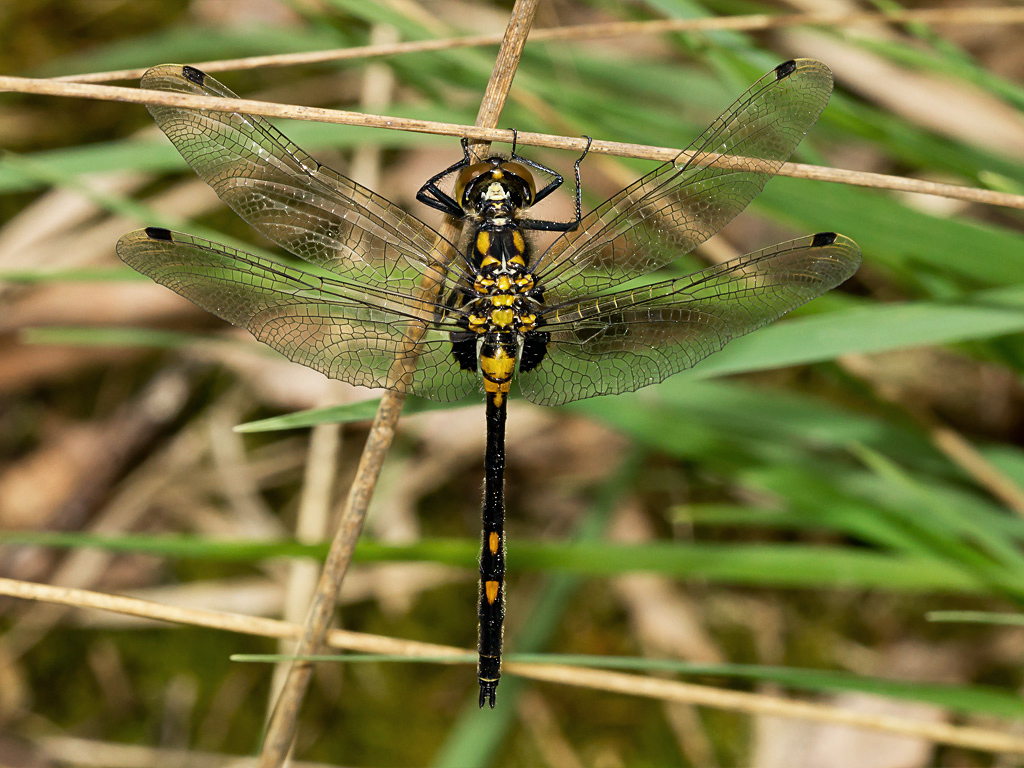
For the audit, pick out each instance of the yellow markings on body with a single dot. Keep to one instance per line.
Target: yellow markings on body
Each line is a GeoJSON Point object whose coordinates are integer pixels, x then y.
{"type": "Point", "coordinates": [518, 242]}
{"type": "Point", "coordinates": [483, 241]}
{"type": "Point", "coordinates": [502, 317]}
{"type": "Point", "coordinates": [500, 367]}
{"type": "Point", "coordinates": [478, 323]}
{"type": "Point", "coordinates": [527, 322]}
{"type": "Point", "coordinates": [491, 591]}
{"type": "Point", "coordinates": [488, 260]}
{"type": "Point", "coordinates": [504, 283]}
{"type": "Point", "coordinates": [518, 259]}
{"type": "Point", "coordinates": [492, 543]}
{"type": "Point", "coordinates": [497, 371]}
{"type": "Point", "coordinates": [525, 282]}
{"type": "Point", "coordinates": [502, 300]}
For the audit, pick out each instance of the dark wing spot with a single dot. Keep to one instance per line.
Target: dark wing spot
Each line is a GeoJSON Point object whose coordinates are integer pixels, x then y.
{"type": "Point", "coordinates": [197, 76]}
{"type": "Point", "coordinates": [158, 233]}
{"type": "Point", "coordinates": [785, 69]}
{"type": "Point", "coordinates": [535, 347]}
{"type": "Point", "coordinates": [823, 238]}
{"type": "Point", "coordinates": [464, 349]}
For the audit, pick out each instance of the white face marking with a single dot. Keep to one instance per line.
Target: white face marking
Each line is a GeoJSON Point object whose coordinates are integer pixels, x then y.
{"type": "Point", "coordinates": [495, 191]}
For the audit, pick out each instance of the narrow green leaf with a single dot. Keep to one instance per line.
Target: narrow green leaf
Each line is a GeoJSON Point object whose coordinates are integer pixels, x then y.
{"type": "Point", "coordinates": [977, 617]}
{"type": "Point", "coordinates": [782, 565]}
{"type": "Point", "coordinates": [364, 410]}
{"type": "Point", "coordinates": [870, 329]}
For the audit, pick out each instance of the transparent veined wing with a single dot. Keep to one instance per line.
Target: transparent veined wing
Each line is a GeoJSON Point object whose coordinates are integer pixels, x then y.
{"type": "Point", "coordinates": [676, 207]}
{"type": "Point", "coordinates": [621, 341]}
{"type": "Point", "coordinates": [312, 211]}
{"type": "Point", "coordinates": [367, 337]}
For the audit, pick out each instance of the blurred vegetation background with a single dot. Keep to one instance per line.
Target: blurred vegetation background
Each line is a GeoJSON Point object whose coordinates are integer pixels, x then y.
{"type": "Point", "coordinates": [782, 518]}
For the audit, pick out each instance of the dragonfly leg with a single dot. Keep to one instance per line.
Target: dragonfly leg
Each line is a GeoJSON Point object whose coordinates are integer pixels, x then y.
{"type": "Point", "coordinates": [558, 226]}
{"type": "Point", "coordinates": [432, 195]}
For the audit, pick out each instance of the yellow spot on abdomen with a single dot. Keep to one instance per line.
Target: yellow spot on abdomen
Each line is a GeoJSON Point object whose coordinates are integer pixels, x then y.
{"type": "Point", "coordinates": [483, 241]}
{"type": "Point", "coordinates": [518, 242]}
{"type": "Point", "coordinates": [492, 543]}
{"type": "Point", "coordinates": [491, 591]}
{"type": "Point", "coordinates": [499, 367]}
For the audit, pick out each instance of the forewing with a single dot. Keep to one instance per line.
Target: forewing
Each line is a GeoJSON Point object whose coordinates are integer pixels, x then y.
{"type": "Point", "coordinates": [633, 338]}
{"type": "Point", "coordinates": [679, 205]}
{"type": "Point", "coordinates": [303, 206]}
{"type": "Point", "coordinates": [348, 332]}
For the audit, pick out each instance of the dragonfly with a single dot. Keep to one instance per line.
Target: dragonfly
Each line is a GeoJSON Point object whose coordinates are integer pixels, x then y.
{"type": "Point", "coordinates": [386, 301]}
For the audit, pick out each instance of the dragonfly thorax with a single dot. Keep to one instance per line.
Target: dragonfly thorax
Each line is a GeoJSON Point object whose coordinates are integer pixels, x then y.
{"type": "Point", "coordinates": [504, 309]}
{"type": "Point", "coordinates": [506, 298]}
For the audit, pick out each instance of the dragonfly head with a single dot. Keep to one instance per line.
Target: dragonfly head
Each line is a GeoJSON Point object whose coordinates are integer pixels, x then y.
{"type": "Point", "coordinates": [495, 188]}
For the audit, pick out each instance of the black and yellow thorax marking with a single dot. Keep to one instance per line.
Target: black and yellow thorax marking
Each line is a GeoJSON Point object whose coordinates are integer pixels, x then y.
{"type": "Point", "coordinates": [503, 308]}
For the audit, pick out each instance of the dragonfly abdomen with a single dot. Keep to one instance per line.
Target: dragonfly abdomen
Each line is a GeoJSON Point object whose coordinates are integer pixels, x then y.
{"type": "Point", "coordinates": [498, 363]}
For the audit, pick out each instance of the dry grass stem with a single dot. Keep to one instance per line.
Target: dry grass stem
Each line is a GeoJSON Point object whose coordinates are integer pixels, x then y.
{"type": "Point", "coordinates": [283, 721]}
{"type": "Point", "coordinates": [984, 739]}
{"type": "Point", "coordinates": [315, 507]}
{"type": "Point", "coordinates": [489, 134]}
{"type": "Point", "coordinates": [540, 722]}
{"type": "Point", "coordinates": [963, 453]}
{"type": "Point", "coordinates": [960, 16]}
{"type": "Point", "coordinates": [759, 704]}
{"type": "Point", "coordinates": [957, 448]}
{"type": "Point", "coordinates": [69, 751]}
